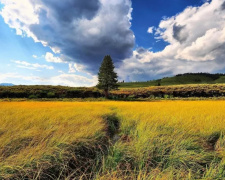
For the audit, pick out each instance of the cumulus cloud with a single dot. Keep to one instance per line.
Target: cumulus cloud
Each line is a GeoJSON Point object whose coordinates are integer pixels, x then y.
{"type": "Point", "coordinates": [84, 31]}
{"type": "Point", "coordinates": [196, 40]}
{"type": "Point", "coordinates": [24, 64]}
{"type": "Point", "coordinates": [150, 30]}
{"type": "Point", "coordinates": [177, 30]}
{"type": "Point", "coordinates": [197, 33]}
{"type": "Point", "coordinates": [71, 80]}
{"type": "Point", "coordinates": [141, 69]}
{"type": "Point", "coordinates": [51, 58]}
{"type": "Point", "coordinates": [74, 67]}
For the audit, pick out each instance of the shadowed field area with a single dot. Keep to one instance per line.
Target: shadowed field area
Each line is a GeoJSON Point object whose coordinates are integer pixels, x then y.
{"type": "Point", "coordinates": [112, 140]}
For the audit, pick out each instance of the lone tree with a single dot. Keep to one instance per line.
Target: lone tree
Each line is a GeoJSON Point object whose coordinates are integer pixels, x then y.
{"type": "Point", "coordinates": [107, 78]}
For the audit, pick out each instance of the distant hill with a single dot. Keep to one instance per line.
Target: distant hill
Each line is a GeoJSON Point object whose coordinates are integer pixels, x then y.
{"type": "Point", "coordinates": [188, 78]}
{"type": "Point", "coordinates": [6, 84]}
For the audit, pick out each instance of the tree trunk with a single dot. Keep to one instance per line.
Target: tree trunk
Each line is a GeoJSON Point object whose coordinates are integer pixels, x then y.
{"type": "Point", "coordinates": [106, 92]}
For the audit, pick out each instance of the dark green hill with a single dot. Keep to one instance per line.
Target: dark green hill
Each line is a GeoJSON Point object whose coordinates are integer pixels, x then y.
{"type": "Point", "coordinates": [188, 78]}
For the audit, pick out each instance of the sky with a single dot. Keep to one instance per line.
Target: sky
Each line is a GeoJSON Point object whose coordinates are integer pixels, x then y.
{"type": "Point", "coordinates": [54, 42]}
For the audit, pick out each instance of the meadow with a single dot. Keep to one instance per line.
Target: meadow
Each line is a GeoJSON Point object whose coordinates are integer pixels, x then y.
{"type": "Point", "coordinates": [112, 140]}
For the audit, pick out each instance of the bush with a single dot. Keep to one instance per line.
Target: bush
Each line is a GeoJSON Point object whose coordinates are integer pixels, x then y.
{"type": "Point", "coordinates": [51, 95]}
{"type": "Point", "coordinates": [32, 96]}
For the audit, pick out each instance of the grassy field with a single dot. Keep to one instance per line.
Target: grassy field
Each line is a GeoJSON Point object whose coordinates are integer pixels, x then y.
{"type": "Point", "coordinates": [182, 79]}
{"type": "Point", "coordinates": [112, 140]}
{"type": "Point", "coordinates": [36, 136]}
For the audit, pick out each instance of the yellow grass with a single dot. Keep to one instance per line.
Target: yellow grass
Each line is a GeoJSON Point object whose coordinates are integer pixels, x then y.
{"type": "Point", "coordinates": [175, 134]}
{"type": "Point", "coordinates": [167, 140]}
{"type": "Point", "coordinates": [43, 127]}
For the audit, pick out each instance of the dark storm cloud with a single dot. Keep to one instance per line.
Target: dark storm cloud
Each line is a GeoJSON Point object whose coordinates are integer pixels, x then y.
{"type": "Point", "coordinates": [177, 33]}
{"type": "Point", "coordinates": [223, 6]}
{"type": "Point", "coordinates": [84, 31]}
{"type": "Point", "coordinates": [66, 10]}
{"type": "Point", "coordinates": [92, 54]}
{"type": "Point", "coordinates": [87, 30]}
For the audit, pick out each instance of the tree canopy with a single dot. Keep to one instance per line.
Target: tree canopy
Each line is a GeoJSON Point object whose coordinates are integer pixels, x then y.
{"type": "Point", "coordinates": [107, 77]}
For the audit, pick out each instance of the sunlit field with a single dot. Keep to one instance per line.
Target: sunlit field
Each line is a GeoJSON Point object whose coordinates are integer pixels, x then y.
{"type": "Point", "coordinates": [35, 136]}
{"type": "Point", "coordinates": [112, 140]}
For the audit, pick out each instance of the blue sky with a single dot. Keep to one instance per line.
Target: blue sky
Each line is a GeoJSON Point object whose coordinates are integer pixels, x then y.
{"type": "Point", "coordinates": [150, 13]}
{"type": "Point", "coordinates": [63, 43]}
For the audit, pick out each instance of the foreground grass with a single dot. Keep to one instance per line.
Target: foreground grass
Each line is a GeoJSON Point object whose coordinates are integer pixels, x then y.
{"type": "Point", "coordinates": [156, 140]}
{"type": "Point", "coordinates": [35, 136]}
{"type": "Point", "coordinates": [172, 140]}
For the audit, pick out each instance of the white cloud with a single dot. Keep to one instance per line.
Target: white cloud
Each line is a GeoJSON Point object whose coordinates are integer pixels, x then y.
{"type": "Point", "coordinates": [72, 80]}
{"type": "Point", "coordinates": [15, 77]}
{"type": "Point", "coordinates": [71, 68]}
{"type": "Point", "coordinates": [196, 40]}
{"type": "Point", "coordinates": [139, 68]}
{"type": "Point", "coordinates": [24, 64]}
{"type": "Point", "coordinates": [74, 67]}
{"type": "Point", "coordinates": [62, 79]}
{"type": "Point", "coordinates": [196, 33]}
{"type": "Point", "coordinates": [35, 56]}
{"type": "Point", "coordinates": [205, 47]}
{"type": "Point", "coordinates": [150, 30]}
{"type": "Point", "coordinates": [15, 14]}
{"type": "Point", "coordinates": [51, 58]}
{"type": "Point", "coordinates": [60, 72]}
